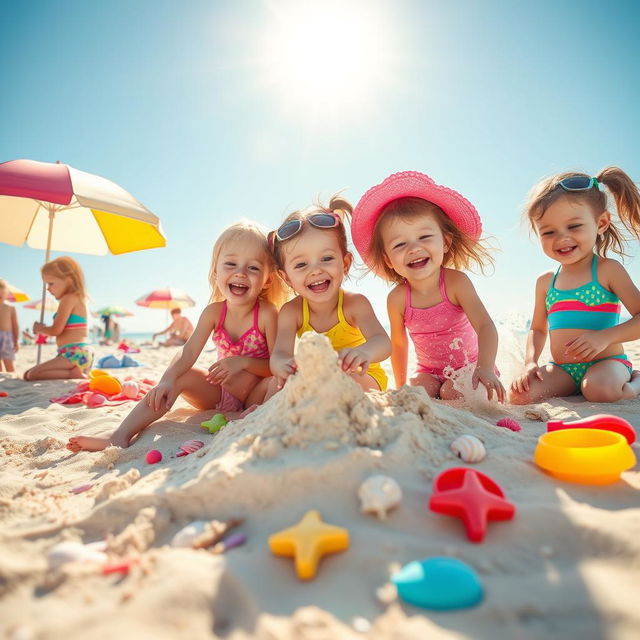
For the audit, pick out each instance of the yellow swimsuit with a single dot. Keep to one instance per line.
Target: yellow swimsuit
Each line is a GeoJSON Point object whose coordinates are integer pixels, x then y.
{"type": "Point", "coordinates": [343, 335]}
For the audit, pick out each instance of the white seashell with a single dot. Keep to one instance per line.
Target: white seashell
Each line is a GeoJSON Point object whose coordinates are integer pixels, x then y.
{"type": "Point", "coordinates": [131, 389]}
{"type": "Point", "coordinates": [469, 448]}
{"type": "Point", "coordinates": [70, 551]}
{"type": "Point", "coordinates": [188, 534]}
{"type": "Point", "coordinates": [378, 494]}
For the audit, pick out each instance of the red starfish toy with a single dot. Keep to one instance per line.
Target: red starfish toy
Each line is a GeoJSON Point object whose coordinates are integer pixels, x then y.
{"type": "Point", "coordinates": [472, 496]}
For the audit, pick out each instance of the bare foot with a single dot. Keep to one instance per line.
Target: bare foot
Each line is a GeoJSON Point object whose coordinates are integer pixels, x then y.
{"type": "Point", "coordinates": [632, 388]}
{"type": "Point", "coordinates": [86, 443]}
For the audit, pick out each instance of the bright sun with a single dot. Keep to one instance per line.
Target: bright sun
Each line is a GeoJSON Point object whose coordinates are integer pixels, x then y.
{"type": "Point", "coordinates": [325, 58]}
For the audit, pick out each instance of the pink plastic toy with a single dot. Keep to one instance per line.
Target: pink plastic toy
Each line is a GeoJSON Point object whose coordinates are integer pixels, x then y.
{"type": "Point", "coordinates": [472, 496]}
{"type": "Point", "coordinates": [599, 421]}
{"type": "Point", "coordinates": [509, 423]}
{"type": "Point", "coordinates": [153, 456]}
{"type": "Point", "coordinates": [190, 446]}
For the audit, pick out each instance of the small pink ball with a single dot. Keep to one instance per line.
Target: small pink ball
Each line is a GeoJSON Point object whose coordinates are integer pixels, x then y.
{"type": "Point", "coordinates": [509, 423]}
{"type": "Point", "coordinates": [130, 388]}
{"type": "Point", "coordinates": [153, 456]}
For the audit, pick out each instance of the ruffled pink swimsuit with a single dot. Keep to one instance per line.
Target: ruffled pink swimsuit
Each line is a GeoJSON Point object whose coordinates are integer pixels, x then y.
{"type": "Point", "coordinates": [442, 335]}
{"type": "Point", "coordinates": [252, 343]}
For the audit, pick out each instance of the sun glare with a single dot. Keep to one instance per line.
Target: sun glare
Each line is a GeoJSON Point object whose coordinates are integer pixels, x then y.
{"type": "Point", "coordinates": [326, 59]}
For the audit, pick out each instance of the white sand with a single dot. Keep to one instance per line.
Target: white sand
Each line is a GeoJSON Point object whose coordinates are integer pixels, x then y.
{"type": "Point", "coordinates": [567, 566]}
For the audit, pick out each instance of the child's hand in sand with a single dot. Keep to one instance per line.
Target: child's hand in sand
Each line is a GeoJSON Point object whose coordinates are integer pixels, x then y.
{"type": "Point", "coordinates": [521, 383]}
{"type": "Point", "coordinates": [586, 346]}
{"type": "Point", "coordinates": [164, 393]}
{"type": "Point", "coordinates": [490, 381]}
{"type": "Point", "coordinates": [224, 369]}
{"type": "Point", "coordinates": [353, 360]}
{"type": "Point", "coordinates": [282, 368]}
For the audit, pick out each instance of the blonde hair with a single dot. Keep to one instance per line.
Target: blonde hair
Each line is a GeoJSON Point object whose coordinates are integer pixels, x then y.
{"type": "Point", "coordinates": [463, 253]}
{"type": "Point", "coordinates": [337, 205]}
{"type": "Point", "coordinates": [66, 267]}
{"type": "Point", "coordinates": [625, 194]}
{"type": "Point", "coordinates": [246, 231]}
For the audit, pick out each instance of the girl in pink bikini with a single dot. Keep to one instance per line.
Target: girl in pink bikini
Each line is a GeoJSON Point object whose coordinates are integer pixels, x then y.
{"type": "Point", "coordinates": [241, 321]}
{"type": "Point", "coordinates": [420, 235]}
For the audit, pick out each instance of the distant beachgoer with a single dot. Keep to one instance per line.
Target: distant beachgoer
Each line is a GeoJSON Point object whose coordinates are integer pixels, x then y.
{"type": "Point", "coordinates": [578, 305]}
{"type": "Point", "coordinates": [180, 330]}
{"type": "Point", "coordinates": [65, 282]}
{"type": "Point", "coordinates": [9, 330]}
{"type": "Point", "coordinates": [242, 324]}
{"type": "Point", "coordinates": [310, 248]}
{"type": "Point", "coordinates": [27, 337]}
{"type": "Point", "coordinates": [421, 236]}
{"type": "Point", "coordinates": [107, 333]}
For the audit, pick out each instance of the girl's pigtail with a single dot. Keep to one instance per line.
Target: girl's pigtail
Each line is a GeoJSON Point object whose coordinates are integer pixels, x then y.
{"type": "Point", "coordinates": [341, 206]}
{"type": "Point", "coordinates": [627, 198]}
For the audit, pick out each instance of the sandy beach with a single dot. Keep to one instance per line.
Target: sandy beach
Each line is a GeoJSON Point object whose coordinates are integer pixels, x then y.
{"type": "Point", "coordinates": [565, 567]}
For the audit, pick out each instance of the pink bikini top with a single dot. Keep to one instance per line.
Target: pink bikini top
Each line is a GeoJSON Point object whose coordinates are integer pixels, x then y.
{"type": "Point", "coordinates": [251, 343]}
{"type": "Point", "coordinates": [442, 334]}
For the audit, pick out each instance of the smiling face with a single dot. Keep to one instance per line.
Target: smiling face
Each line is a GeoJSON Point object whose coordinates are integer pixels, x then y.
{"type": "Point", "coordinates": [241, 271]}
{"type": "Point", "coordinates": [414, 247]}
{"type": "Point", "coordinates": [57, 286]}
{"type": "Point", "coordinates": [314, 264]}
{"type": "Point", "coordinates": [568, 230]}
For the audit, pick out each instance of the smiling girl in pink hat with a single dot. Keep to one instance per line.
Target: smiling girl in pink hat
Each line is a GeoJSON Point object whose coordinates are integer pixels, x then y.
{"type": "Point", "coordinates": [420, 235]}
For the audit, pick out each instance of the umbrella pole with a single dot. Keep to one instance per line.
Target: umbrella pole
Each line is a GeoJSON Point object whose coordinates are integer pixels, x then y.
{"type": "Point", "coordinates": [52, 213]}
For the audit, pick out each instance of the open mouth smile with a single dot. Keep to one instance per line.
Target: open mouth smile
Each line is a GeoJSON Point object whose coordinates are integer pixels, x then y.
{"type": "Point", "coordinates": [238, 289]}
{"type": "Point", "coordinates": [320, 286]}
{"type": "Point", "coordinates": [418, 263]}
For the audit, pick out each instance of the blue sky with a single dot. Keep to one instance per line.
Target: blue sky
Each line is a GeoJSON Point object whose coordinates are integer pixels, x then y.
{"type": "Point", "coordinates": [180, 103]}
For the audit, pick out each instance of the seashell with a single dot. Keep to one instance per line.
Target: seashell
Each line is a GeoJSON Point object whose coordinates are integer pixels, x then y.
{"type": "Point", "coordinates": [81, 488]}
{"type": "Point", "coordinates": [378, 494]}
{"type": "Point", "coordinates": [131, 389]}
{"type": "Point", "coordinates": [468, 448]}
{"type": "Point", "coordinates": [188, 534]}
{"type": "Point", "coordinates": [509, 423]}
{"type": "Point", "coordinates": [70, 551]}
{"type": "Point", "coordinates": [189, 447]}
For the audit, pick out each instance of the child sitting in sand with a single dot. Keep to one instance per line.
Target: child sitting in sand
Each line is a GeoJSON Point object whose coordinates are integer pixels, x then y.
{"type": "Point", "coordinates": [420, 235]}
{"type": "Point", "coordinates": [579, 304]}
{"type": "Point", "coordinates": [65, 282]}
{"type": "Point", "coordinates": [9, 330]}
{"type": "Point", "coordinates": [241, 321]}
{"type": "Point", "coordinates": [310, 249]}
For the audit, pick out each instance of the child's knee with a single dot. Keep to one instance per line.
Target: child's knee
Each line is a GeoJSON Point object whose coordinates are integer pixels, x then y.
{"type": "Point", "coordinates": [600, 392]}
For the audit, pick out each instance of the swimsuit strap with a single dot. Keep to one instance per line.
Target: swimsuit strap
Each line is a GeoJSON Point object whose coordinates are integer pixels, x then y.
{"type": "Point", "coordinates": [407, 297]}
{"type": "Point", "coordinates": [223, 315]}
{"type": "Point", "coordinates": [555, 275]}
{"type": "Point", "coordinates": [341, 318]}
{"type": "Point", "coordinates": [305, 313]}
{"type": "Point", "coordinates": [443, 289]}
{"type": "Point", "coordinates": [255, 315]}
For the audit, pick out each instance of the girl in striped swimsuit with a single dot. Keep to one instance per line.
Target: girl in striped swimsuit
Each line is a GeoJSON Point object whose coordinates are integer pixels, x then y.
{"type": "Point", "coordinates": [241, 321]}
{"type": "Point", "coordinates": [579, 304]}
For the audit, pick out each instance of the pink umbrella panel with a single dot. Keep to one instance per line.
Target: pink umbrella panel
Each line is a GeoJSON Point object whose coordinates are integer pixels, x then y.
{"type": "Point", "coordinates": [168, 298]}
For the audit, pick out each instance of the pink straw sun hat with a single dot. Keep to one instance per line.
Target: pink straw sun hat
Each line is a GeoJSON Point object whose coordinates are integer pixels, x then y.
{"type": "Point", "coordinates": [404, 185]}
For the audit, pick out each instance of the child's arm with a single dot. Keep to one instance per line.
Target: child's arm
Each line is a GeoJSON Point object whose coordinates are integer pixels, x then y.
{"type": "Point", "coordinates": [537, 335]}
{"type": "Point", "coordinates": [281, 362]}
{"type": "Point", "coordinates": [62, 315]}
{"type": "Point", "coordinates": [223, 369]}
{"type": "Point", "coordinates": [165, 391]}
{"type": "Point", "coordinates": [359, 313]}
{"type": "Point", "coordinates": [15, 328]}
{"type": "Point", "coordinates": [463, 293]}
{"type": "Point", "coordinates": [589, 344]}
{"type": "Point", "coordinates": [399, 342]}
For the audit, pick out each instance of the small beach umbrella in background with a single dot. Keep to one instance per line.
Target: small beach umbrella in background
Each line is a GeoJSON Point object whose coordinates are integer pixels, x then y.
{"type": "Point", "coordinates": [15, 295]}
{"type": "Point", "coordinates": [168, 298]}
{"type": "Point", "coordinates": [113, 310]}
{"type": "Point", "coordinates": [49, 305]}
{"type": "Point", "coordinates": [56, 207]}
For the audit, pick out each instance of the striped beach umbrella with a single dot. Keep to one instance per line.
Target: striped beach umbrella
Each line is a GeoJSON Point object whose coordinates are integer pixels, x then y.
{"type": "Point", "coordinates": [114, 310]}
{"type": "Point", "coordinates": [49, 304]}
{"type": "Point", "coordinates": [168, 298]}
{"type": "Point", "coordinates": [15, 295]}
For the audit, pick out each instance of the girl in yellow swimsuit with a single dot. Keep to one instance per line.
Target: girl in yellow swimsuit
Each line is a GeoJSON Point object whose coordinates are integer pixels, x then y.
{"type": "Point", "coordinates": [310, 249]}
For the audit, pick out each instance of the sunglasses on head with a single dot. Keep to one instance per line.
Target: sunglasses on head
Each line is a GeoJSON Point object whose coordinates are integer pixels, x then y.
{"type": "Point", "coordinates": [292, 227]}
{"type": "Point", "coordinates": [579, 183]}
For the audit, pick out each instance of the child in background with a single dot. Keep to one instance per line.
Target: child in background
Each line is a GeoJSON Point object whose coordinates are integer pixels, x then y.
{"type": "Point", "coordinates": [241, 321]}
{"type": "Point", "coordinates": [579, 304]}
{"type": "Point", "coordinates": [65, 282]}
{"type": "Point", "coordinates": [9, 330]}
{"type": "Point", "coordinates": [310, 249]}
{"type": "Point", "coordinates": [420, 235]}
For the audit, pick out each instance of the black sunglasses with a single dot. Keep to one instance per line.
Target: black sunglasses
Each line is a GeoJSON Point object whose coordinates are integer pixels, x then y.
{"type": "Point", "coordinates": [579, 183]}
